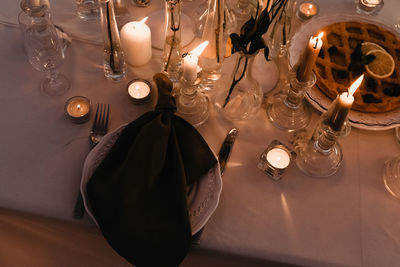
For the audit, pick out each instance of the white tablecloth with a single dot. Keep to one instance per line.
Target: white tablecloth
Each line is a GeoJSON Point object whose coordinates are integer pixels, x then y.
{"type": "Point", "coordinates": [348, 219]}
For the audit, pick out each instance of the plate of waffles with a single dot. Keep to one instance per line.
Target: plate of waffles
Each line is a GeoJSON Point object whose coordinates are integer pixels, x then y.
{"type": "Point", "coordinates": [377, 101]}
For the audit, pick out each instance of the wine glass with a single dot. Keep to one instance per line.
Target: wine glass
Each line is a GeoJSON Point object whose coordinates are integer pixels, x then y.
{"type": "Point", "coordinates": [44, 50]}
{"type": "Point", "coordinates": [391, 172]}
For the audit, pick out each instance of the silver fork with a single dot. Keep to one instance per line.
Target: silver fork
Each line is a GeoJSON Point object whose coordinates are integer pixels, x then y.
{"type": "Point", "coordinates": [100, 124]}
{"type": "Point", "coordinates": [99, 129]}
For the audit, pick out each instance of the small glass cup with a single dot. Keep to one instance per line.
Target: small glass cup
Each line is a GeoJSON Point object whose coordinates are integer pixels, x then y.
{"type": "Point", "coordinates": [141, 3]}
{"type": "Point", "coordinates": [88, 9]}
{"type": "Point", "coordinates": [368, 7]}
{"type": "Point", "coordinates": [275, 159]}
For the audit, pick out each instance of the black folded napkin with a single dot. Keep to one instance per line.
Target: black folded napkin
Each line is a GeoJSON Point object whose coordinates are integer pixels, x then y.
{"type": "Point", "coordinates": [138, 193]}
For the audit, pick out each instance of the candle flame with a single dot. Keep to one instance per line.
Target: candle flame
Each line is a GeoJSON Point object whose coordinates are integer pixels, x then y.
{"type": "Point", "coordinates": [310, 7]}
{"type": "Point", "coordinates": [199, 49]}
{"type": "Point", "coordinates": [144, 20]}
{"type": "Point", "coordinates": [355, 85]}
{"type": "Point", "coordinates": [320, 35]}
{"type": "Point", "coordinates": [78, 106]}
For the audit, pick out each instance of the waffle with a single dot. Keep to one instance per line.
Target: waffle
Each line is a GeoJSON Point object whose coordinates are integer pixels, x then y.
{"type": "Point", "coordinates": [333, 76]}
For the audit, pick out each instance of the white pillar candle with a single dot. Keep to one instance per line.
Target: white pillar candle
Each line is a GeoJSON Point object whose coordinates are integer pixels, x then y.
{"type": "Point", "coordinates": [139, 90]}
{"type": "Point", "coordinates": [136, 42]}
{"type": "Point", "coordinates": [278, 158]}
{"type": "Point", "coordinates": [343, 106]}
{"type": "Point", "coordinates": [190, 62]}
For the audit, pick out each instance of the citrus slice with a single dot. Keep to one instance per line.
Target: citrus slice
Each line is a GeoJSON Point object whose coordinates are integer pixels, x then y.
{"type": "Point", "coordinates": [382, 66]}
{"type": "Point", "coordinates": [368, 46]}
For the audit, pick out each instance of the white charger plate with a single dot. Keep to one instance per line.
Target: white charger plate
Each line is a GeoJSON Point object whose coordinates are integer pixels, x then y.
{"type": "Point", "coordinates": [357, 119]}
{"type": "Point", "coordinates": [202, 199]}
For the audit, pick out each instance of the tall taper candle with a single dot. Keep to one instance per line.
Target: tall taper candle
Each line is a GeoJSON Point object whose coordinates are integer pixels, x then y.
{"type": "Point", "coordinates": [343, 106]}
{"type": "Point", "coordinates": [308, 58]}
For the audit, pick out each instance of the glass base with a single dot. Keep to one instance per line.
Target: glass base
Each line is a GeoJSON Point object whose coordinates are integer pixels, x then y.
{"type": "Point", "coordinates": [55, 87]}
{"type": "Point", "coordinates": [286, 118]}
{"type": "Point", "coordinates": [391, 176]}
{"type": "Point", "coordinates": [315, 162]}
{"type": "Point", "coordinates": [195, 112]}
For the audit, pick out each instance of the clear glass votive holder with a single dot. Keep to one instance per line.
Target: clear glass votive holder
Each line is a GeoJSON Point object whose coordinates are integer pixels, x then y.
{"type": "Point", "coordinates": [139, 91]}
{"type": "Point", "coordinates": [368, 7]}
{"type": "Point", "coordinates": [306, 10]}
{"type": "Point", "coordinates": [77, 109]}
{"type": "Point", "coordinates": [88, 9]}
{"type": "Point", "coordinates": [275, 159]}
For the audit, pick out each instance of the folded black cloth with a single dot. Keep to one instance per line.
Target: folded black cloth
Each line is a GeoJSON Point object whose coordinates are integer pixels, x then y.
{"type": "Point", "coordinates": [138, 192]}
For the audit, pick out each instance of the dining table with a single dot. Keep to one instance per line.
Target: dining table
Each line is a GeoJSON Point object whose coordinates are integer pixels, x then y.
{"type": "Point", "coordinates": [347, 219]}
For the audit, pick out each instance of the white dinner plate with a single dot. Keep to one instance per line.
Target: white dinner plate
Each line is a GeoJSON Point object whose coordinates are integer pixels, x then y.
{"type": "Point", "coordinates": [202, 198]}
{"type": "Point", "coordinates": [362, 120]}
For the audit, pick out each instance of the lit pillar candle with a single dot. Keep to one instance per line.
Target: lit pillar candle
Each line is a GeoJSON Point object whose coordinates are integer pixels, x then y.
{"type": "Point", "coordinates": [308, 59]}
{"type": "Point", "coordinates": [136, 42]}
{"type": "Point", "coordinates": [190, 62]}
{"type": "Point", "coordinates": [278, 158]}
{"type": "Point", "coordinates": [343, 105]}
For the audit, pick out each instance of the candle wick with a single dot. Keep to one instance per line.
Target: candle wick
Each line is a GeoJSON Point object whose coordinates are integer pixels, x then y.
{"type": "Point", "coordinates": [316, 43]}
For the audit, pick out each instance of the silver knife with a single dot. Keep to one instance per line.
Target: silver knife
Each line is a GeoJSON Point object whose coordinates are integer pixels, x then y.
{"type": "Point", "coordinates": [226, 147]}
{"type": "Point", "coordinates": [223, 156]}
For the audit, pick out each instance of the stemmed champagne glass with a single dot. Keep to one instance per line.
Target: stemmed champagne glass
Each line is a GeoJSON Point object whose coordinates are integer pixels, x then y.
{"type": "Point", "coordinates": [44, 48]}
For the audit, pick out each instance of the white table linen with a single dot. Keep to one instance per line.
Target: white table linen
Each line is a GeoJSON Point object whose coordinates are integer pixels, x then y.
{"type": "Point", "coordinates": [348, 219]}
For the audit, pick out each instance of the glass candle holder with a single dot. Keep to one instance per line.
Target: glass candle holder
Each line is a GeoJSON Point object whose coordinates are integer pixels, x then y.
{"type": "Point", "coordinates": [77, 109]}
{"type": "Point", "coordinates": [275, 159]}
{"type": "Point", "coordinates": [368, 7]}
{"type": "Point", "coordinates": [287, 110]}
{"type": "Point", "coordinates": [319, 155]}
{"type": "Point", "coordinates": [307, 10]}
{"type": "Point", "coordinates": [391, 176]}
{"type": "Point", "coordinates": [139, 91]}
{"type": "Point", "coordinates": [192, 105]}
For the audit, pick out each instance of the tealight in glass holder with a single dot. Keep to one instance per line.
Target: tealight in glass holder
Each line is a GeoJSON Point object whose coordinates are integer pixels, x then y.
{"type": "Point", "coordinates": [287, 109]}
{"type": "Point", "coordinates": [368, 7]}
{"type": "Point", "coordinates": [275, 160]}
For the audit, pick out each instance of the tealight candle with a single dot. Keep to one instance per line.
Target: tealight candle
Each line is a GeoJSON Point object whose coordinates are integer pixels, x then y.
{"type": "Point", "coordinates": [77, 109]}
{"type": "Point", "coordinates": [276, 159]}
{"type": "Point", "coordinates": [370, 7]}
{"type": "Point", "coordinates": [136, 42]}
{"type": "Point", "coordinates": [307, 10]}
{"type": "Point", "coordinates": [139, 90]}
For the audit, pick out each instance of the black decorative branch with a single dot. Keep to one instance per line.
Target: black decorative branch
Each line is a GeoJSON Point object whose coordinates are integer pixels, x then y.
{"type": "Point", "coordinates": [250, 40]}
{"type": "Point", "coordinates": [174, 29]}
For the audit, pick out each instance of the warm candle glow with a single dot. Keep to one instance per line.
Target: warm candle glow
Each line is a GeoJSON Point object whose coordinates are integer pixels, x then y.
{"type": "Point", "coordinates": [278, 158]}
{"type": "Point", "coordinates": [199, 49]}
{"type": "Point", "coordinates": [143, 21]}
{"type": "Point", "coordinates": [355, 85]}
